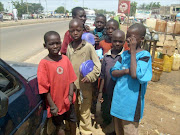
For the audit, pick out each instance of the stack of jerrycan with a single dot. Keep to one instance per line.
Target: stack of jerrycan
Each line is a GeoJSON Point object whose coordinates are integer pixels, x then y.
{"type": "Point", "coordinates": [160, 25]}
{"type": "Point", "coordinates": [177, 28]}
{"type": "Point", "coordinates": [176, 62]}
{"type": "Point", "coordinates": [151, 23]}
{"type": "Point", "coordinates": [157, 68]}
{"type": "Point", "coordinates": [170, 27]}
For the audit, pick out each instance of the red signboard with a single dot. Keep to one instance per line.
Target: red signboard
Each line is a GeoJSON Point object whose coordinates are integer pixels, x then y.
{"type": "Point", "coordinates": [124, 7]}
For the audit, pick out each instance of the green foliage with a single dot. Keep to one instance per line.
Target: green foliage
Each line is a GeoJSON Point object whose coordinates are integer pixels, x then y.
{"type": "Point", "coordinates": [27, 8]}
{"type": "Point", "coordinates": [152, 5]}
{"type": "Point", "coordinates": [133, 8]}
{"type": "Point", "coordinates": [103, 11]}
{"type": "Point", "coordinates": [1, 7]}
{"type": "Point", "coordinates": [35, 8]}
{"type": "Point", "coordinates": [61, 10]}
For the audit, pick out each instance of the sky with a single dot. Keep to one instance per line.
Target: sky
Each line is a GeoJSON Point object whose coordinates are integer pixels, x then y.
{"type": "Point", "coordinates": [109, 5]}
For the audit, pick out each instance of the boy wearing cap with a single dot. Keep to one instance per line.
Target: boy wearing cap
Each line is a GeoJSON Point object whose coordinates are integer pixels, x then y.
{"type": "Point", "coordinates": [78, 52]}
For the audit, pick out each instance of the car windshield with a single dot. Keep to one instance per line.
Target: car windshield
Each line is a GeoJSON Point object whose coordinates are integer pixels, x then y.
{"type": "Point", "coordinates": [91, 18]}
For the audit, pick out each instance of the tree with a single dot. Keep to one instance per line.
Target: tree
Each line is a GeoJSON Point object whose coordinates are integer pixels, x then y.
{"type": "Point", "coordinates": [103, 11]}
{"type": "Point", "coordinates": [143, 6]}
{"type": "Point", "coordinates": [21, 8]}
{"type": "Point", "coordinates": [152, 5]}
{"type": "Point", "coordinates": [133, 8]}
{"type": "Point", "coordinates": [35, 8]}
{"type": "Point", "coordinates": [1, 7]}
{"type": "Point", "coordinates": [61, 10]}
{"type": "Point", "coordinates": [27, 8]}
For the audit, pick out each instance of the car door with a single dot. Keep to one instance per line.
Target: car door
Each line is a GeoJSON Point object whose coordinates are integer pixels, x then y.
{"type": "Point", "coordinates": [25, 111]}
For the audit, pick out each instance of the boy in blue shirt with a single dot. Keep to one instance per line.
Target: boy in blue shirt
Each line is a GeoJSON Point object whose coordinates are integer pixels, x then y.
{"type": "Point", "coordinates": [131, 72]}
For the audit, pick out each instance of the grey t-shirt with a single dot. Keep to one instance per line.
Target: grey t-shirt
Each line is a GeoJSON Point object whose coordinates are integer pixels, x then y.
{"type": "Point", "coordinates": [107, 64]}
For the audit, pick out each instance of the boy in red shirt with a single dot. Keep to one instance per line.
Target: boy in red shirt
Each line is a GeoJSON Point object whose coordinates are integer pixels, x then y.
{"type": "Point", "coordinates": [106, 44]}
{"type": "Point", "coordinates": [77, 13]}
{"type": "Point", "coordinates": [55, 80]}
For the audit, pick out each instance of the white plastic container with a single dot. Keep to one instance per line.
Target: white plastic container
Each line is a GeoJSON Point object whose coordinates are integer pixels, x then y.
{"type": "Point", "coordinates": [151, 23]}
{"type": "Point", "coordinates": [170, 27]}
{"type": "Point", "coordinates": [176, 62]}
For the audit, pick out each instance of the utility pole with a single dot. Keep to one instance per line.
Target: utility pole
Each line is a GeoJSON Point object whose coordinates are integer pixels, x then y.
{"type": "Point", "coordinates": [83, 3]}
{"type": "Point", "coordinates": [46, 6]}
{"type": "Point", "coordinates": [65, 7]}
{"type": "Point", "coordinates": [27, 7]}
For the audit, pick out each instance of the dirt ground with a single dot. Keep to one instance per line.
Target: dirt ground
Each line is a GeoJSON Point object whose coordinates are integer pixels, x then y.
{"type": "Point", "coordinates": [162, 108]}
{"type": "Point", "coordinates": [162, 105]}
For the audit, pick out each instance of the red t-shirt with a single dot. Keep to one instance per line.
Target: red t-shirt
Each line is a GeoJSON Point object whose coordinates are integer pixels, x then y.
{"type": "Point", "coordinates": [66, 41]}
{"type": "Point", "coordinates": [56, 77]}
{"type": "Point", "coordinates": [105, 46]}
{"type": "Point", "coordinates": [126, 47]}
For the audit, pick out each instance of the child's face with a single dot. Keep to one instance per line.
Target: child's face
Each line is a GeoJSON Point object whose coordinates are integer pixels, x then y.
{"type": "Point", "coordinates": [118, 41]}
{"type": "Point", "coordinates": [110, 27]}
{"type": "Point", "coordinates": [76, 31]}
{"type": "Point", "coordinates": [53, 44]}
{"type": "Point", "coordinates": [81, 15]}
{"type": "Point", "coordinates": [133, 33]}
{"type": "Point", "coordinates": [100, 23]}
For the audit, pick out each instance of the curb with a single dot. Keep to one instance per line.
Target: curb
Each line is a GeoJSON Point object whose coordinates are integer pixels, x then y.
{"type": "Point", "coordinates": [31, 21]}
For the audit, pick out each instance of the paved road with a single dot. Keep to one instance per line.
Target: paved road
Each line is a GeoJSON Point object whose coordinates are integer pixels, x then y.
{"type": "Point", "coordinates": [19, 43]}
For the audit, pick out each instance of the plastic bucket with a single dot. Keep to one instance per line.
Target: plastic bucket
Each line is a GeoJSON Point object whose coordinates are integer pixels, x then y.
{"type": "Point", "coordinates": [157, 71]}
{"type": "Point", "coordinates": [89, 37]}
{"type": "Point", "coordinates": [86, 67]}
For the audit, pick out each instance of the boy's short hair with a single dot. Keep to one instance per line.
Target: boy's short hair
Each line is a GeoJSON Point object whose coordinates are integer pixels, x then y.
{"type": "Point", "coordinates": [75, 10]}
{"type": "Point", "coordinates": [75, 20]}
{"type": "Point", "coordinates": [101, 15]}
{"type": "Point", "coordinates": [114, 21]}
{"type": "Point", "coordinates": [118, 31]}
{"type": "Point", "coordinates": [49, 33]}
{"type": "Point", "coordinates": [140, 28]}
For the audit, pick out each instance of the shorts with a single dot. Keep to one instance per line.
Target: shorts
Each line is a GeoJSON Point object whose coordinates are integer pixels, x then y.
{"type": "Point", "coordinates": [69, 116]}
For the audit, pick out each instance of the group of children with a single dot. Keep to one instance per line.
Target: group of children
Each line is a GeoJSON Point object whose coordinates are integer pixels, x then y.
{"type": "Point", "coordinates": [123, 74]}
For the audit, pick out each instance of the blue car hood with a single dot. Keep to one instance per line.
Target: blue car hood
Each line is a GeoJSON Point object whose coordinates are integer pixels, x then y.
{"type": "Point", "coordinates": [28, 71]}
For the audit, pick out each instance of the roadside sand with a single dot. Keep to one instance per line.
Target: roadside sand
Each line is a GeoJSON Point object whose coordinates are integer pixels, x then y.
{"type": "Point", "coordinates": [162, 107]}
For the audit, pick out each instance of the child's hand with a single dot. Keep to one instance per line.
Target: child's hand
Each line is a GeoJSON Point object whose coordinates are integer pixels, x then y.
{"type": "Point", "coordinates": [100, 97]}
{"type": "Point", "coordinates": [132, 43]}
{"type": "Point", "coordinates": [85, 80]}
{"type": "Point", "coordinates": [54, 110]}
{"type": "Point", "coordinates": [127, 71]}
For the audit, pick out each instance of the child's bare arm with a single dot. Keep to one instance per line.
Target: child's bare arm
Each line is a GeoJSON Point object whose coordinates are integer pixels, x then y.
{"type": "Point", "coordinates": [133, 65]}
{"type": "Point", "coordinates": [100, 91]}
{"type": "Point", "coordinates": [53, 107]}
{"type": "Point", "coordinates": [71, 92]}
{"type": "Point", "coordinates": [119, 73]}
{"type": "Point", "coordinates": [133, 45]}
{"type": "Point", "coordinates": [93, 75]}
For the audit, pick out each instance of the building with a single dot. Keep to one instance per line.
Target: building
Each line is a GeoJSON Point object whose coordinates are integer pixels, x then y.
{"type": "Point", "coordinates": [174, 10]}
{"type": "Point", "coordinates": [170, 12]}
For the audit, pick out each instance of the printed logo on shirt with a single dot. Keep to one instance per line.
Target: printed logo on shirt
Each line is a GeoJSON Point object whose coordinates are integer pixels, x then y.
{"type": "Point", "coordinates": [59, 70]}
